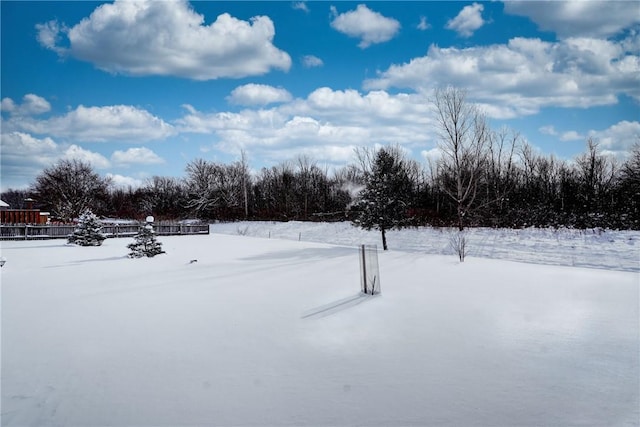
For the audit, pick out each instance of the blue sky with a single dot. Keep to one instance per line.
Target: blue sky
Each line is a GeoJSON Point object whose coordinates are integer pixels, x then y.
{"type": "Point", "coordinates": [142, 88]}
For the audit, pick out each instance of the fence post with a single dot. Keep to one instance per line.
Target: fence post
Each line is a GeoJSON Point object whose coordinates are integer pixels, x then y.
{"type": "Point", "coordinates": [364, 268]}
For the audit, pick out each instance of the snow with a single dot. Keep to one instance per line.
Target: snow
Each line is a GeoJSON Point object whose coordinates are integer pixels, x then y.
{"type": "Point", "coordinates": [273, 332]}
{"type": "Point", "coordinates": [595, 248]}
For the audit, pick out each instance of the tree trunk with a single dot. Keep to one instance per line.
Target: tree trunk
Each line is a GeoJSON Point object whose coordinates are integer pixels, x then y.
{"type": "Point", "coordinates": [246, 199]}
{"type": "Point", "coordinates": [384, 238]}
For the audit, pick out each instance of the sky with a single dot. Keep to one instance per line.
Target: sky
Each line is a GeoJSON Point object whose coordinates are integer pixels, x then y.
{"type": "Point", "coordinates": [142, 88]}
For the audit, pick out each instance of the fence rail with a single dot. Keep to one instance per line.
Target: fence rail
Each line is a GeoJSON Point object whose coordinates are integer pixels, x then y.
{"type": "Point", "coordinates": [43, 232]}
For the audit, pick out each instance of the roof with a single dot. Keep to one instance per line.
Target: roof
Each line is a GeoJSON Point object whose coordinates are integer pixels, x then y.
{"type": "Point", "coordinates": [4, 204]}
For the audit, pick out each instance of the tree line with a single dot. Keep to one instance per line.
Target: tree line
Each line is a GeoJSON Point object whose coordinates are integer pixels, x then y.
{"type": "Point", "coordinates": [484, 177]}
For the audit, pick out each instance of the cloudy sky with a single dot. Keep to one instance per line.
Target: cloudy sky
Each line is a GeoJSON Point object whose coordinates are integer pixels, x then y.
{"type": "Point", "coordinates": [141, 88]}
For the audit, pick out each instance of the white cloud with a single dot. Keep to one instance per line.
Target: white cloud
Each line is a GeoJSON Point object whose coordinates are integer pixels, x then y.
{"type": "Point", "coordinates": [168, 38]}
{"type": "Point", "coordinates": [618, 138]}
{"type": "Point", "coordinates": [96, 160]}
{"type": "Point", "coordinates": [524, 75]}
{"type": "Point", "coordinates": [548, 130]}
{"type": "Point", "coordinates": [34, 104]}
{"type": "Point", "coordinates": [423, 24]}
{"type": "Point", "coordinates": [578, 18]}
{"type": "Point", "coordinates": [571, 135]}
{"type": "Point", "coordinates": [31, 105]}
{"type": "Point", "coordinates": [49, 35]}
{"type": "Point", "coordinates": [257, 94]}
{"type": "Point", "coordinates": [310, 61]}
{"type": "Point", "coordinates": [7, 105]}
{"type": "Point", "coordinates": [328, 124]}
{"type": "Point", "coordinates": [432, 156]}
{"type": "Point", "coordinates": [25, 149]}
{"type": "Point", "coordinates": [190, 108]}
{"type": "Point", "coordinates": [121, 181]}
{"type": "Point", "coordinates": [468, 20]}
{"type": "Point", "coordinates": [300, 5]}
{"type": "Point", "coordinates": [97, 124]}
{"type": "Point", "coordinates": [375, 107]}
{"type": "Point", "coordinates": [142, 156]}
{"type": "Point", "coordinates": [615, 140]}
{"type": "Point", "coordinates": [363, 23]}
{"type": "Point", "coordinates": [23, 157]}
{"type": "Point", "coordinates": [19, 144]}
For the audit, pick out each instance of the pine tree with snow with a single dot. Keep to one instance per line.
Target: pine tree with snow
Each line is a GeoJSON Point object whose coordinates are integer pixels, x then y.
{"type": "Point", "coordinates": [383, 203]}
{"type": "Point", "coordinates": [88, 232]}
{"type": "Point", "coordinates": [146, 243]}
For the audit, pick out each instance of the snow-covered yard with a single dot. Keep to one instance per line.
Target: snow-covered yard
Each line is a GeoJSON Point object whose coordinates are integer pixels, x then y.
{"type": "Point", "coordinates": [272, 332]}
{"type": "Point", "coordinates": [610, 249]}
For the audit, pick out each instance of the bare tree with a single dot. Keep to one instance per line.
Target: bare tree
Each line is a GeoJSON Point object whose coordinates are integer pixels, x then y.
{"type": "Point", "coordinates": [364, 160]}
{"type": "Point", "coordinates": [275, 191]}
{"type": "Point", "coordinates": [463, 133]}
{"type": "Point", "coordinates": [215, 189]}
{"type": "Point", "coordinates": [501, 169]}
{"type": "Point", "coordinates": [630, 171]}
{"type": "Point", "coordinates": [15, 198]}
{"type": "Point", "coordinates": [458, 243]}
{"type": "Point", "coordinates": [246, 181]}
{"type": "Point", "coordinates": [162, 196]}
{"type": "Point", "coordinates": [597, 173]}
{"type": "Point", "coordinates": [305, 166]}
{"type": "Point", "coordinates": [202, 197]}
{"type": "Point", "coordinates": [70, 187]}
{"type": "Point", "coordinates": [629, 188]}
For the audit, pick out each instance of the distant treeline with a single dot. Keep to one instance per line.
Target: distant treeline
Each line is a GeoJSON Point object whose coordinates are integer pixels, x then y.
{"type": "Point", "coordinates": [516, 188]}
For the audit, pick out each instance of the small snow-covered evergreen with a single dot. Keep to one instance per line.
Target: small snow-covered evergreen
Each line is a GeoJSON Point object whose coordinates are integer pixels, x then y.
{"type": "Point", "coordinates": [146, 243]}
{"type": "Point", "coordinates": [88, 232]}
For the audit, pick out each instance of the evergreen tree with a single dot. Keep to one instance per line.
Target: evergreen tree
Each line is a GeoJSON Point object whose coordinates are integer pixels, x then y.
{"type": "Point", "coordinates": [384, 201]}
{"type": "Point", "coordinates": [88, 231]}
{"type": "Point", "coordinates": [145, 244]}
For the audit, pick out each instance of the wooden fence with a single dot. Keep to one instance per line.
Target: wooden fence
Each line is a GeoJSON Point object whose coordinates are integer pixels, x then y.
{"type": "Point", "coordinates": [42, 232]}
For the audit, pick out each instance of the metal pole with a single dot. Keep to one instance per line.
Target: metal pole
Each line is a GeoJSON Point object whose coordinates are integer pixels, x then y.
{"type": "Point", "coordinates": [364, 269]}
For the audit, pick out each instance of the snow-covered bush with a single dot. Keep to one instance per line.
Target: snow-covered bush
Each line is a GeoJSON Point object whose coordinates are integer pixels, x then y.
{"type": "Point", "coordinates": [145, 243]}
{"type": "Point", "coordinates": [88, 232]}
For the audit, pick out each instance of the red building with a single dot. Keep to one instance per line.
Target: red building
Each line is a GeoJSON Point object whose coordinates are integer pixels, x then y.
{"type": "Point", "coordinates": [22, 216]}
